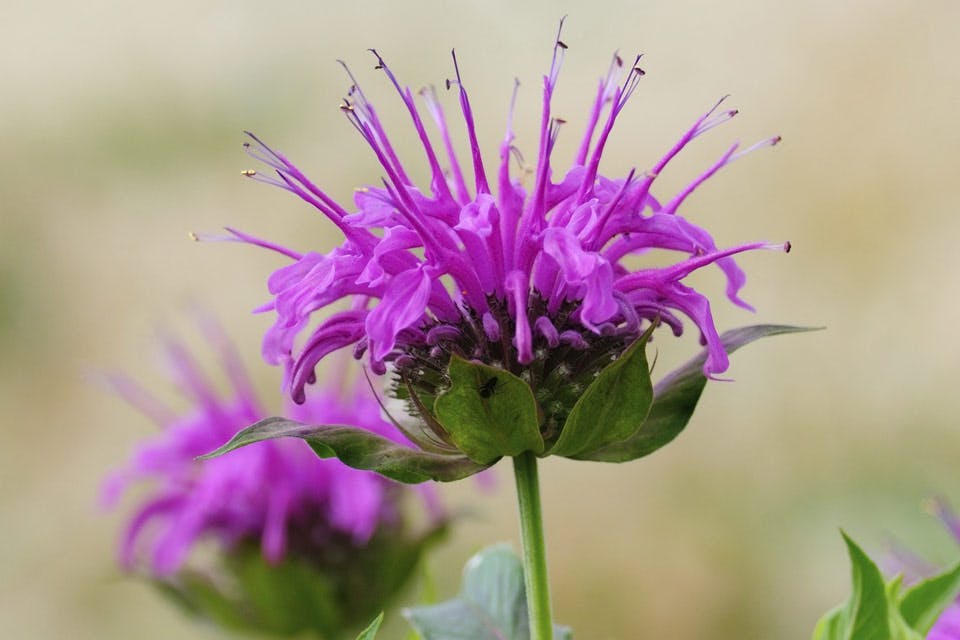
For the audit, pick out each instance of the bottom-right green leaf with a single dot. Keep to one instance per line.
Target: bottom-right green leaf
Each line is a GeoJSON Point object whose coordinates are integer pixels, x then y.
{"type": "Point", "coordinates": [878, 610]}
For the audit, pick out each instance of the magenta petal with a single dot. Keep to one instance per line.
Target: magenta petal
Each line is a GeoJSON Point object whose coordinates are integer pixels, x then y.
{"type": "Point", "coordinates": [589, 276]}
{"type": "Point", "coordinates": [697, 307]}
{"type": "Point", "coordinates": [396, 240]}
{"type": "Point", "coordinates": [517, 288]}
{"type": "Point", "coordinates": [402, 306]}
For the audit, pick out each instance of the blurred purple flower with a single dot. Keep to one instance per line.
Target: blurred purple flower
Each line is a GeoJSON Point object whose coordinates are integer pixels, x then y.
{"type": "Point", "coordinates": [500, 273]}
{"type": "Point", "coordinates": [276, 494]}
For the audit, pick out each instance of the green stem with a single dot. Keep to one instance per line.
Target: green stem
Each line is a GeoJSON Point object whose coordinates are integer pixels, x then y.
{"type": "Point", "coordinates": [534, 549]}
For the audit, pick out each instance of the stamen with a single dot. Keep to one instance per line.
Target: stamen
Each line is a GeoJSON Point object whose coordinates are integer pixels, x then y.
{"type": "Point", "coordinates": [239, 236]}
{"type": "Point", "coordinates": [367, 115]}
{"type": "Point", "coordinates": [429, 95]}
{"type": "Point", "coordinates": [439, 181]}
{"type": "Point", "coordinates": [605, 93]}
{"type": "Point", "coordinates": [769, 142]}
{"type": "Point", "coordinates": [478, 170]}
{"type": "Point", "coordinates": [559, 49]}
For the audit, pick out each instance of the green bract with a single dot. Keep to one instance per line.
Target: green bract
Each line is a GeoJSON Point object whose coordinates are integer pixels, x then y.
{"type": "Point", "coordinates": [878, 610]}
{"type": "Point", "coordinates": [299, 596]}
{"type": "Point", "coordinates": [481, 413]}
{"type": "Point", "coordinates": [488, 412]}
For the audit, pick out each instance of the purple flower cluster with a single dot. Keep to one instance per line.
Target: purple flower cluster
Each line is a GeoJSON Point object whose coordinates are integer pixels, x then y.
{"type": "Point", "coordinates": [276, 494]}
{"type": "Point", "coordinates": [489, 269]}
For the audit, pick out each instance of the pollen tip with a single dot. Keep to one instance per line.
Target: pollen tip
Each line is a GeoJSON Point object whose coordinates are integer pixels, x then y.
{"type": "Point", "coordinates": [787, 246]}
{"type": "Point", "coordinates": [249, 173]}
{"type": "Point", "coordinates": [776, 140]}
{"type": "Point", "coordinates": [193, 236]}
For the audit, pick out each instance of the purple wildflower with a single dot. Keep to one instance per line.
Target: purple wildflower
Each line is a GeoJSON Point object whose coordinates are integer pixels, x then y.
{"type": "Point", "coordinates": [277, 495]}
{"type": "Point", "coordinates": [531, 280]}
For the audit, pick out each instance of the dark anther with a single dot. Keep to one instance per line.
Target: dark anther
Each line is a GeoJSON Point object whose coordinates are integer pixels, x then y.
{"type": "Point", "coordinates": [448, 84]}
{"type": "Point", "coordinates": [562, 44]}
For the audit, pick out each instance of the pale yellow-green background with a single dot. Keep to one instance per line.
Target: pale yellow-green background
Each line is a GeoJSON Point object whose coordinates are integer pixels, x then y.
{"type": "Point", "coordinates": [120, 132]}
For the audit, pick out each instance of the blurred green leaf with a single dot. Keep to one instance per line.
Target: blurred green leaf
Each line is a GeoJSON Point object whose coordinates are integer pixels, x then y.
{"type": "Point", "coordinates": [923, 603]}
{"type": "Point", "coordinates": [359, 449]}
{"type": "Point", "coordinates": [676, 396]}
{"type": "Point", "coordinates": [878, 611]}
{"type": "Point", "coordinates": [287, 598]}
{"type": "Point", "coordinates": [371, 632]}
{"type": "Point", "coordinates": [488, 412]}
{"type": "Point", "coordinates": [612, 408]}
{"type": "Point", "coordinates": [491, 606]}
{"type": "Point", "coordinates": [323, 596]}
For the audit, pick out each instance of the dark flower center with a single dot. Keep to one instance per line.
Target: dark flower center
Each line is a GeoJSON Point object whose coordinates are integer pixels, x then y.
{"type": "Point", "coordinates": [562, 368]}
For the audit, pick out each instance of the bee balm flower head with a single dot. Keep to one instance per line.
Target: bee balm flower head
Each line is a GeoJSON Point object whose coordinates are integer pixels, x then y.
{"type": "Point", "coordinates": [273, 511]}
{"type": "Point", "coordinates": [529, 280]}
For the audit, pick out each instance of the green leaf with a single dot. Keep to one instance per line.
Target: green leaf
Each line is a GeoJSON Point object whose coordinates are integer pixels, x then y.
{"type": "Point", "coordinates": [676, 396]}
{"type": "Point", "coordinates": [287, 598]}
{"type": "Point", "coordinates": [488, 412]}
{"type": "Point", "coordinates": [359, 449]}
{"type": "Point", "coordinates": [865, 614]}
{"type": "Point", "coordinates": [612, 408]}
{"type": "Point", "coordinates": [492, 603]}
{"type": "Point", "coordinates": [923, 603]}
{"type": "Point", "coordinates": [878, 611]}
{"type": "Point", "coordinates": [371, 632]}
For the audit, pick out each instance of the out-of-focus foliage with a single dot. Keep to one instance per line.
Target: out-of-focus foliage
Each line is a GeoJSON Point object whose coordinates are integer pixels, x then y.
{"type": "Point", "coordinates": [884, 610]}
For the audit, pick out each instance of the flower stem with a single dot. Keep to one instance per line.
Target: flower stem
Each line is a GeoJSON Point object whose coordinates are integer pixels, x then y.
{"type": "Point", "coordinates": [534, 549]}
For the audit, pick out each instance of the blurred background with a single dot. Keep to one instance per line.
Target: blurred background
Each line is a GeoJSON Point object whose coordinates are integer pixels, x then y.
{"type": "Point", "coordinates": [121, 130]}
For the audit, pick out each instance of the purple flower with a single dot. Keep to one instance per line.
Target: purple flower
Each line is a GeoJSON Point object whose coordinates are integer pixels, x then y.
{"type": "Point", "coordinates": [535, 278]}
{"type": "Point", "coordinates": [276, 495]}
